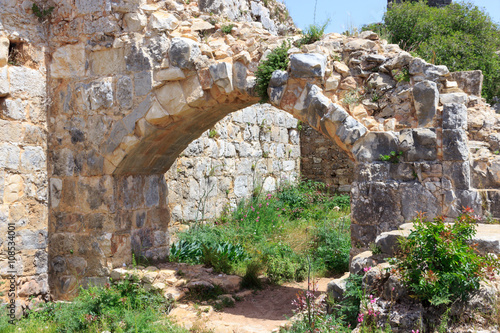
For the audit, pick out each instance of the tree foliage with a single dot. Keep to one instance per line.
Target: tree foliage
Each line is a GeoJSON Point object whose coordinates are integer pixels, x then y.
{"type": "Point", "coordinates": [461, 36]}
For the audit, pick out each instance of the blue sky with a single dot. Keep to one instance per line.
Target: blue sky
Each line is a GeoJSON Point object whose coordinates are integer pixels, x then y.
{"type": "Point", "coordinates": [346, 13]}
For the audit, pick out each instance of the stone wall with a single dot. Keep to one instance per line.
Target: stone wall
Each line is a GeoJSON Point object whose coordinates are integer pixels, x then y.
{"type": "Point", "coordinates": [323, 160]}
{"type": "Point", "coordinates": [249, 150]}
{"type": "Point", "coordinates": [23, 153]}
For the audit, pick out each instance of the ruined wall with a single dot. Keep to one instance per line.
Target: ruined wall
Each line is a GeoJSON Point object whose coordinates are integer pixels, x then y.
{"type": "Point", "coordinates": [252, 149]}
{"type": "Point", "coordinates": [323, 160]}
{"type": "Point", "coordinates": [23, 152]}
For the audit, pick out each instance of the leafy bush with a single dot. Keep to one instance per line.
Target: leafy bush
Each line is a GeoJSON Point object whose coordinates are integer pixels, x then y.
{"type": "Point", "coordinates": [460, 36]}
{"type": "Point", "coordinates": [251, 277]}
{"type": "Point", "coordinates": [227, 28]}
{"type": "Point", "coordinates": [348, 309]}
{"type": "Point", "coordinates": [312, 34]}
{"type": "Point", "coordinates": [276, 60]}
{"type": "Point", "coordinates": [438, 264]}
{"type": "Point", "coordinates": [333, 248]}
{"type": "Point", "coordinates": [284, 265]}
{"type": "Point", "coordinates": [125, 307]}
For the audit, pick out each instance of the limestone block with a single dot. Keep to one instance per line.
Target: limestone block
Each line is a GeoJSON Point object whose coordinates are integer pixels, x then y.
{"type": "Point", "coordinates": [337, 287]}
{"type": "Point", "coordinates": [362, 261]}
{"type": "Point", "coordinates": [135, 21]}
{"type": "Point", "coordinates": [33, 159]}
{"type": "Point", "coordinates": [158, 116]}
{"type": "Point", "coordinates": [137, 59]}
{"type": "Point", "coordinates": [454, 116]}
{"type": "Point", "coordinates": [9, 156]}
{"type": "Point", "coordinates": [107, 62]}
{"type": "Point", "coordinates": [455, 145]}
{"type": "Point", "coordinates": [171, 98]}
{"type": "Point", "coordinates": [373, 145]}
{"type": "Point", "coordinates": [33, 239]}
{"type": "Point", "coordinates": [426, 98]}
{"type": "Point", "coordinates": [183, 52]}
{"type": "Point", "coordinates": [14, 109]}
{"type": "Point", "coordinates": [307, 65]}
{"type": "Point", "coordinates": [458, 173]}
{"type": "Point", "coordinates": [469, 198]}
{"type": "Point", "coordinates": [101, 94]}
{"type": "Point", "coordinates": [4, 51]}
{"type": "Point", "coordinates": [200, 25]}
{"type": "Point", "coordinates": [494, 198]}
{"type": "Point", "coordinates": [388, 242]}
{"type": "Point", "coordinates": [193, 92]}
{"type": "Point", "coordinates": [400, 60]}
{"type": "Point", "coordinates": [68, 61]}
{"type": "Point", "coordinates": [471, 82]}
{"type": "Point", "coordinates": [14, 189]}
{"type": "Point", "coordinates": [381, 81]}
{"type": "Point", "coordinates": [241, 186]}
{"type": "Point", "coordinates": [332, 83]}
{"type": "Point", "coordinates": [417, 198]}
{"type": "Point", "coordinates": [341, 68]}
{"type": "Point", "coordinates": [124, 92]}
{"type": "Point", "coordinates": [418, 144]}
{"type": "Point", "coordinates": [458, 98]}
{"type": "Point", "coordinates": [359, 44]}
{"type": "Point", "coordinates": [4, 82]}
{"type": "Point", "coordinates": [350, 131]}
{"type": "Point", "coordinates": [143, 83]}
{"type": "Point", "coordinates": [222, 76]}
{"type": "Point", "coordinates": [163, 21]}
{"type": "Point", "coordinates": [170, 74]}
{"type": "Point", "coordinates": [125, 6]}
{"type": "Point", "coordinates": [240, 74]}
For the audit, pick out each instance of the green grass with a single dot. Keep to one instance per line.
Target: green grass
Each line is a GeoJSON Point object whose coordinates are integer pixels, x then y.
{"type": "Point", "coordinates": [124, 307]}
{"type": "Point", "coordinates": [276, 232]}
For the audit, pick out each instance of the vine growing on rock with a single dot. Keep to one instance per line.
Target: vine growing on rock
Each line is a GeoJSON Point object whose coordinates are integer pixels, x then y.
{"type": "Point", "coordinates": [276, 60]}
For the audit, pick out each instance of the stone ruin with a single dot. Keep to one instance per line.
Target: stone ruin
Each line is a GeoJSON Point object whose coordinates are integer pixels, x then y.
{"type": "Point", "coordinates": [100, 97]}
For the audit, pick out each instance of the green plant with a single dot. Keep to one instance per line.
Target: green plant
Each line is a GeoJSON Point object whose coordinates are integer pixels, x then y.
{"type": "Point", "coordinates": [401, 74]}
{"type": "Point", "coordinates": [265, 154]}
{"type": "Point", "coordinates": [460, 36]}
{"type": "Point", "coordinates": [348, 308]}
{"type": "Point", "coordinates": [353, 96]}
{"type": "Point", "coordinates": [375, 248]}
{"type": "Point", "coordinates": [496, 152]}
{"type": "Point", "coordinates": [438, 263]}
{"type": "Point", "coordinates": [42, 12]}
{"type": "Point", "coordinates": [227, 28]}
{"type": "Point", "coordinates": [312, 34]}
{"type": "Point", "coordinates": [251, 277]}
{"type": "Point", "coordinates": [300, 125]}
{"type": "Point", "coordinates": [392, 157]}
{"type": "Point", "coordinates": [212, 134]}
{"type": "Point", "coordinates": [276, 60]}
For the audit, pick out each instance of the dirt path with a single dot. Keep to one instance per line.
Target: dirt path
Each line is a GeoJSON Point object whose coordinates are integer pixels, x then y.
{"type": "Point", "coordinates": [262, 311]}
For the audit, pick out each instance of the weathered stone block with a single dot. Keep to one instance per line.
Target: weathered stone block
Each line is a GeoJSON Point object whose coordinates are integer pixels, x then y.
{"type": "Point", "coordinates": [454, 116]}
{"type": "Point", "coordinates": [171, 97]}
{"type": "Point", "coordinates": [455, 145]}
{"type": "Point", "coordinates": [4, 82]}
{"type": "Point", "coordinates": [135, 21]}
{"type": "Point", "coordinates": [418, 144]}
{"type": "Point", "coordinates": [426, 100]}
{"type": "Point", "coordinates": [371, 172]}
{"type": "Point", "coordinates": [33, 159]}
{"type": "Point", "coordinates": [373, 145]}
{"type": "Point", "coordinates": [4, 51]}
{"type": "Point", "coordinates": [350, 131]}
{"type": "Point", "coordinates": [471, 82]}
{"type": "Point", "coordinates": [417, 198]}
{"type": "Point", "coordinates": [494, 198]}
{"type": "Point", "coordinates": [24, 80]}
{"type": "Point", "coordinates": [183, 52]}
{"type": "Point", "coordinates": [458, 173]}
{"type": "Point", "coordinates": [170, 74]}
{"type": "Point", "coordinates": [68, 61]}
{"type": "Point", "coordinates": [143, 83]}
{"type": "Point", "coordinates": [456, 98]}
{"type": "Point", "coordinates": [9, 156]}
{"type": "Point", "coordinates": [307, 65]}
{"type": "Point", "coordinates": [107, 62]}
{"type": "Point", "coordinates": [124, 92]}
{"type": "Point", "coordinates": [222, 75]}
{"type": "Point", "coordinates": [469, 198]}
{"type": "Point", "coordinates": [381, 81]}
{"type": "Point", "coordinates": [137, 59]}
{"type": "Point", "coordinates": [163, 21]}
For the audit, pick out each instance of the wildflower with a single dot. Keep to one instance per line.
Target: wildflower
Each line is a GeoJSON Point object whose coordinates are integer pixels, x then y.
{"type": "Point", "coordinates": [360, 317]}
{"type": "Point", "coordinates": [366, 269]}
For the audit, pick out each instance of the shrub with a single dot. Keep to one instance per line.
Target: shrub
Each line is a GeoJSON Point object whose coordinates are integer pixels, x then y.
{"type": "Point", "coordinates": [312, 34]}
{"type": "Point", "coordinates": [284, 265]}
{"type": "Point", "coordinates": [251, 277]}
{"type": "Point", "coordinates": [348, 309]}
{"type": "Point", "coordinates": [460, 36]}
{"type": "Point", "coordinates": [437, 262]}
{"type": "Point", "coordinates": [333, 248]}
{"type": "Point", "coordinates": [227, 28]}
{"type": "Point", "coordinates": [276, 60]}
